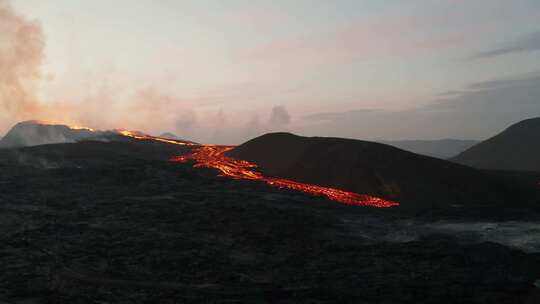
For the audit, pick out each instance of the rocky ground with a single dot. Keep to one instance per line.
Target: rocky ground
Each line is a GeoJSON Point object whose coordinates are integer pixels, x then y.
{"type": "Point", "coordinates": [117, 223]}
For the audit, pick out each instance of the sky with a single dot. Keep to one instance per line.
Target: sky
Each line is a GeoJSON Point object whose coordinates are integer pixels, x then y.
{"type": "Point", "coordinates": [226, 71]}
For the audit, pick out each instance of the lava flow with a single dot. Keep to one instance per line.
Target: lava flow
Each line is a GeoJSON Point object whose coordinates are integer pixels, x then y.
{"type": "Point", "coordinates": [212, 156]}
{"type": "Point", "coordinates": [142, 136]}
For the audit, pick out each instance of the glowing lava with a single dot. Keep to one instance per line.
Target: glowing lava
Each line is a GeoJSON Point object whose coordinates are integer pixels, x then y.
{"type": "Point", "coordinates": [81, 128]}
{"type": "Point", "coordinates": [212, 156]}
{"type": "Point", "coordinates": [49, 123]}
{"type": "Point", "coordinates": [142, 136]}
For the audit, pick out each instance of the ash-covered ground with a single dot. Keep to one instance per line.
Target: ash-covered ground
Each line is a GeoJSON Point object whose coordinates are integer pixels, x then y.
{"type": "Point", "coordinates": [117, 223]}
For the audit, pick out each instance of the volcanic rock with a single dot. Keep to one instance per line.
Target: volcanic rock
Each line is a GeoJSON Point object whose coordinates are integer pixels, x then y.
{"type": "Point", "coordinates": [127, 226]}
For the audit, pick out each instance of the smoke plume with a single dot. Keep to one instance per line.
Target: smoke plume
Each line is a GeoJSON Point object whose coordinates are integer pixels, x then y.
{"type": "Point", "coordinates": [21, 55]}
{"type": "Point", "coordinates": [279, 118]}
{"type": "Point", "coordinates": [106, 103]}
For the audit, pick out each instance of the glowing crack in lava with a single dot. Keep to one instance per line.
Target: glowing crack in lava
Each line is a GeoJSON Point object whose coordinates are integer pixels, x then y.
{"type": "Point", "coordinates": [213, 156]}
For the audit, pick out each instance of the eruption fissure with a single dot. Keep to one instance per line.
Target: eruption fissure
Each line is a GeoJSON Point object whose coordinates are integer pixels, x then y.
{"type": "Point", "coordinates": [213, 156]}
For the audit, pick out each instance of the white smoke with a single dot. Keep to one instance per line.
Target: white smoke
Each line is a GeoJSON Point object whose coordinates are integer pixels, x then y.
{"type": "Point", "coordinates": [21, 55]}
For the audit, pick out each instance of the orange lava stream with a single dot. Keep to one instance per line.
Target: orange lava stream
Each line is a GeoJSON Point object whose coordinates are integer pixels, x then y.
{"type": "Point", "coordinates": [142, 136]}
{"type": "Point", "coordinates": [213, 156]}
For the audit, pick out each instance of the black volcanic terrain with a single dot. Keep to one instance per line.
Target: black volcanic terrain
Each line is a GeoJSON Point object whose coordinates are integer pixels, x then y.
{"type": "Point", "coordinates": [516, 149]}
{"type": "Point", "coordinates": [117, 222]}
{"type": "Point", "coordinates": [381, 170]}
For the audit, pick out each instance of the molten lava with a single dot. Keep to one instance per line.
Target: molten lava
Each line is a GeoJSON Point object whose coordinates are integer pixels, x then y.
{"type": "Point", "coordinates": [212, 156]}
{"type": "Point", "coordinates": [72, 127]}
{"type": "Point", "coordinates": [142, 136]}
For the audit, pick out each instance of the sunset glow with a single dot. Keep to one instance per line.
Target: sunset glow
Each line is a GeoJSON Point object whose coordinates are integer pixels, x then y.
{"type": "Point", "coordinates": [225, 73]}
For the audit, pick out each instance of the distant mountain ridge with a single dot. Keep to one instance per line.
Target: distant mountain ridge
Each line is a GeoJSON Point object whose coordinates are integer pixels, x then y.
{"type": "Point", "coordinates": [515, 149]}
{"type": "Point", "coordinates": [373, 168]}
{"type": "Point", "coordinates": [443, 148]}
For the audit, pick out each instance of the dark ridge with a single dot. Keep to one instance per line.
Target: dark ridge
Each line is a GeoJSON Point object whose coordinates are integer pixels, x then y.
{"type": "Point", "coordinates": [90, 153]}
{"type": "Point", "coordinates": [378, 169]}
{"type": "Point", "coordinates": [515, 149]}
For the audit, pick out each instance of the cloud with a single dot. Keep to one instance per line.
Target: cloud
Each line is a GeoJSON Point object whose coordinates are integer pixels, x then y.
{"type": "Point", "coordinates": [528, 43]}
{"type": "Point", "coordinates": [279, 117]}
{"type": "Point", "coordinates": [478, 111]}
{"type": "Point", "coordinates": [329, 116]}
{"type": "Point", "coordinates": [278, 120]}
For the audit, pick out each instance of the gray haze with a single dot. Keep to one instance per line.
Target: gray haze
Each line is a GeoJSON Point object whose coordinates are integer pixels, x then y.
{"type": "Point", "coordinates": [477, 112]}
{"type": "Point", "coordinates": [443, 148]}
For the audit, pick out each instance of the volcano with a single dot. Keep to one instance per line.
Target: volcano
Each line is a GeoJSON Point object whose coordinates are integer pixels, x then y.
{"type": "Point", "coordinates": [35, 133]}
{"type": "Point", "coordinates": [374, 169]}
{"type": "Point", "coordinates": [515, 149]}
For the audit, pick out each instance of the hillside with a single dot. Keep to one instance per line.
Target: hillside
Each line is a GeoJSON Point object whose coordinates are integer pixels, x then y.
{"type": "Point", "coordinates": [516, 148]}
{"type": "Point", "coordinates": [35, 133]}
{"type": "Point", "coordinates": [376, 169]}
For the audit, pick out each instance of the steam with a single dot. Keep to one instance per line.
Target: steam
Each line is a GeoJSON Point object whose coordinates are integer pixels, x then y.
{"type": "Point", "coordinates": [21, 55]}
{"type": "Point", "coordinates": [22, 44]}
{"type": "Point", "coordinates": [278, 121]}
{"type": "Point", "coordinates": [220, 122]}
{"type": "Point", "coordinates": [186, 121]}
{"type": "Point", "coordinates": [279, 117]}
{"type": "Point", "coordinates": [106, 104]}
{"type": "Point", "coordinates": [518, 234]}
{"type": "Point", "coordinates": [253, 128]}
